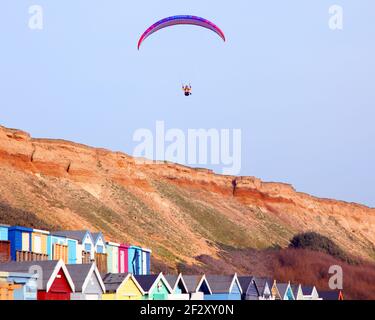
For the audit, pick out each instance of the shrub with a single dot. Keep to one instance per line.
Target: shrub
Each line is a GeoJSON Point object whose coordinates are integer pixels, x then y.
{"type": "Point", "coordinates": [317, 242]}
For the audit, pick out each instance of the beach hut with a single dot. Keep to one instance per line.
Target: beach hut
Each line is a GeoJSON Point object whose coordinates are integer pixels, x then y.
{"type": "Point", "coordinates": [197, 286]}
{"type": "Point", "coordinates": [264, 286]}
{"type": "Point", "coordinates": [39, 239]}
{"type": "Point", "coordinates": [112, 257]}
{"type": "Point", "coordinates": [331, 295]}
{"type": "Point", "coordinates": [135, 260]}
{"type": "Point", "coordinates": [282, 291]}
{"type": "Point", "coordinates": [156, 287]}
{"type": "Point", "coordinates": [224, 288]}
{"type": "Point", "coordinates": [87, 282]}
{"type": "Point", "coordinates": [179, 288]}
{"type": "Point", "coordinates": [249, 288]}
{"type": "Point", "coordinates": [310, 293]}
{"type": "Point", "coordinates": [4, 232]}
{"type": "Point", "coordinates": [26, 285]}
{"type": "Point", "coordinates": [122, 286]}
{"type": "Point", "coordinates": [99, 243]}
{"type": "Point", "coordinates": [123, 259]}
{"type": "Point", "coordinates": [85, 246]}
{"type": "Point", "coordinates": [20, 241]}
{"type": "Point", "coordinates": [6, 287]}
{"type": "Point", "coordinates": [54, 281]}
{"type": "Point", "coordinates": [297, 291]}
{"type": "Point", "coordinates": [146, 261]}
{"type": "Point", "coordinates": [57, 247]}
{"type": "Point", "coordinates": [100, 252]}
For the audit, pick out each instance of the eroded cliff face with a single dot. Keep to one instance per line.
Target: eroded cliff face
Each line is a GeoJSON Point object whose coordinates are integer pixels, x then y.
{"type": "Point", "coordinates": [177, 211]}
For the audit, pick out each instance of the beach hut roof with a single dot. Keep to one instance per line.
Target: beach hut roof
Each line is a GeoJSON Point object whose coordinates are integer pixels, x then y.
{"type": "Point", "coordinates": [245, 282]}
{"type": "Point", "coordinates": [174, 280]}
{"type": "Point", "coordinates": [78, 235]}
{"type": "Point", "coordinates": [307, 290]}
{"type": "Point", "coordinates": [49, 268]}
{"type": "Point", "coordinates": [81, 273]}
{"type": "Point", "coordinates": [113, 281]}
{"type": "Point", "coordinates": [295, 288]}
{"type": "Point", "coordinates": [222, 284]}
{"type": "Point", "coordinates": [261, 283]}
{"type": "Point", "coordinates": [194, 282]}
{"type": "Point", "coordinates": [148, 282]}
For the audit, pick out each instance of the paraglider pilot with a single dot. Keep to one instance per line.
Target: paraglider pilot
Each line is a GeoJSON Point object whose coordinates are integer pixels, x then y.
{"type": "Point", "coordinates": [187, 90]}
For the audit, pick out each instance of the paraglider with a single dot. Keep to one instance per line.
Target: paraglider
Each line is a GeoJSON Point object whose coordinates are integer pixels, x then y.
{"type": "Point", "coordinates": [177, 20]}
{"type": "Point", "coordinates": [187, 90]}
{"type": "Point", "coordinates": [181, 20]}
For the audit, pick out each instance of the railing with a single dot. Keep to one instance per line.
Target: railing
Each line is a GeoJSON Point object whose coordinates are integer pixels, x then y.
{"type": "Point", "coordinates": [30, 256]}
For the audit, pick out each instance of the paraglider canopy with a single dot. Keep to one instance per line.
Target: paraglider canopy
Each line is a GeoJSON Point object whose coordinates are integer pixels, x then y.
{"type": "Point", "coordinates": [176, 20]}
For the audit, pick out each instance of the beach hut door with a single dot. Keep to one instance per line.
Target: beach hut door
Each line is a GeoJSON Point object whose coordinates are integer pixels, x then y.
{"type": "Point", "coordinates": [122, 261]}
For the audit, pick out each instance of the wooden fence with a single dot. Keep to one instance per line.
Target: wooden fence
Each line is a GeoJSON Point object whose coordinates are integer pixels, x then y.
{"type": "Point", "coordinates": [101, 262]}
{"type": "Point", "coordinates": [60, 251]}
{"type": "Point", "coordinates": [30, 256]}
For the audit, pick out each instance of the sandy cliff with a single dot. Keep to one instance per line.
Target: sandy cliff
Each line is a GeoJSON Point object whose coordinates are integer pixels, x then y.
{"type": "Point", "coordinates": [179, 212]}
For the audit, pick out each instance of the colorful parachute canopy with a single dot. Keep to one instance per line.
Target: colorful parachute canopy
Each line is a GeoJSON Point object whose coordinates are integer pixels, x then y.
{"type": "Point", "coordinates": [175, 20]}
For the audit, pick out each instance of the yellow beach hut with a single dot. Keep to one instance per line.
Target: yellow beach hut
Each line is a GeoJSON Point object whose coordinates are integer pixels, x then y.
{"type": "Point", "coordinates": [122, 286]}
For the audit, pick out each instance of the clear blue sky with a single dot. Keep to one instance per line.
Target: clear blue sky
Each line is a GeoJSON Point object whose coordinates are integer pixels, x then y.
{"type": "Point", "coordinates": [303, 95]}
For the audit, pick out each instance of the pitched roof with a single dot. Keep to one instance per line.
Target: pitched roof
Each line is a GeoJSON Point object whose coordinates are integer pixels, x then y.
{"type": "Point", "coordinates": [49, 269]}
{"type": "Point", "coordinates": [249, 287]}
{"type": "Point", "coordinates": [245, 282]}
{"type": "Point", "coordinates": [96, 235]}
{"type": "Point", "coordinates": [76, 235]}
{"type": "Point", "coordinates": [261, 284]}
{"type": "Point", "coordinates": [147, 282]}
{"type": "Point", "coordinates": [113, 281]}
{"type": "Point", "coordinates": [174, 280]}
{"type": "Point", "coordinates": [295, 288]}
{"type": "Point", "coordinates": [221, 284]}
{"type": "Point", "coordinates": [81, 273]}
{"type": "Point", "coordinates": [307, 290]}
{"type": "Point", "coordinates": [192, 282]}
{"type": "Point", "coordinates": [282, 288]}
{"type": "Point", "coordinates": [55, 234]}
